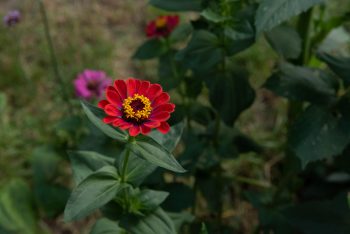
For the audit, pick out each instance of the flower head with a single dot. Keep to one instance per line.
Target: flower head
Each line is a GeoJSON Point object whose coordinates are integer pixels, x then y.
{"type": "Point", "coordinates": [138, 106]}
{"type": "Point", "coordinates": [12, 18]}
{"type": "Point", "coordinates": [162, 26]}
{"type": "Point", "coordinates": [91, 84]}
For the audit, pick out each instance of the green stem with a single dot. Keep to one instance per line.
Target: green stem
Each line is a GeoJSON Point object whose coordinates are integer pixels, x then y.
{"type": "Point", "coordinates": [125, 165]}
{"type": "Point", "coordinates": [305, 27]}
{"type": "Point", "coordinates": [53, 56]}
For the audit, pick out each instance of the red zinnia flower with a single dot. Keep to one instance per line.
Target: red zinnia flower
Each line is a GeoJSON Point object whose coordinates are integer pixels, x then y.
{"type": "Point", "coordinates": [138, 106]}
{"type": "Point", "coordinates": [162, 26]}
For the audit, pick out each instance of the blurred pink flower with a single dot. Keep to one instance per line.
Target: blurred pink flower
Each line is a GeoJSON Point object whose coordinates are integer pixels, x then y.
{"type": "Point", "coordinates": [12, 18]}
{"type": "Point", "coordinates": [91, 84]}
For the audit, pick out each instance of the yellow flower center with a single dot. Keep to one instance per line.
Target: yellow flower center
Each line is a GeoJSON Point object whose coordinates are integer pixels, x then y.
{"type": "Point", "coordinates": [161, 22]}
{"type": "Point", "coordinates": [137, 107]}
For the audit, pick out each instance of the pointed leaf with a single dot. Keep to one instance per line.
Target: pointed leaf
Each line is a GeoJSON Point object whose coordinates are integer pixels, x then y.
{"type": "Point", "coordinates": [148, 149]}
{"type": "Point", "coordinates": [339, 65]}
{"type": "Point", "coordinates": [95, 191]}
{"type": "Point", "coordinates": [95, 114]}
{"type": "Point", "coordinates": [150, 49]}
{"type": "Point", "coordinates": [285, 40]}
{"type": "Point", "coordinates": [85, 163]}
{"type": "Point", "coordinates": [273, 12]}
{"type": "Point", "coordinates": [106, 226]}
{"type": "Point", "coordinates": [156, 222]}
{"type": "Point", "coordinates": [302, 84]}
{"type": "Point", "coordinates": [171, 139]}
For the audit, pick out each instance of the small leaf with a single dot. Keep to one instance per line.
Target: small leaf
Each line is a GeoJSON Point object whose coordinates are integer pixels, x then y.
{"type": "Point", "coordinates": [92, 193]}
{"type": "Point", "coordinates": [181, 32]}
{"type": "Point", "coordinates": [319, 134]}
{"type": "Point", "coordinates": [85, 163]}
{"type": "Point", "coordinates": [150, 49]}
{"type": "Point", "coordinates": [203, 51]}
{"type": "Point", "coordinates": [285, 40]}
{"type": "Point", "coordinates": [94, 114]}
{"type": "Point", "coordinates": [148, 149]}
{"type": "Point", "coordinates": [171, 139]}
{"type": "Point", "coordinates": [230, 94]}
{"type": "Point", "coordinates": [155, 222]}
{"type": "Point", "coordinates": [213, 16]}
{"type": "Point", "coordinates": [273, 12]}
{"type": "Point", "coordinates": [339, 65]}
{"type": "Point", "coordinates": [302, 84]}
{"type": "Point", "coordinates": [151, 199]}
{"type": "Point", "coordinates": [106, 226]}
{"type": "Point", "coordinates": [177, 5]}
{"type": "Point", "coordinates": [180, 219]}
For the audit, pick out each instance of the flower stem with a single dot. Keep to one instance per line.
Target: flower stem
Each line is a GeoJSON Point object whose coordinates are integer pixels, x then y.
{"type": "Point", "coordinates": [125, 165]}
{"type": "Point", "coordinates": [53, 56]}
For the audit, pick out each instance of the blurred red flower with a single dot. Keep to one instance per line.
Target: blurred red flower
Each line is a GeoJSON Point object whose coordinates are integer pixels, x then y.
{"type": "Point", "coordinates": [138, 106]}
{"type": "Point", "coordinates": [162, 26]}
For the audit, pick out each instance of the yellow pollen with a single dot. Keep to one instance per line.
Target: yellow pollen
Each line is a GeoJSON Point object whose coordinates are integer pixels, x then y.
{"type": "Point", "coordinates": [132, 112]}
{"type": "Point", "coordinates": [161, 22]}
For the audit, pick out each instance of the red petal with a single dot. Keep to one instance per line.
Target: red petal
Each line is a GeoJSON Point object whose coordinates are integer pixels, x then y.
{"type": "Point", "coordinates": [160, 116]}
{"type": "Point", "coordinates": [109, 119]}
{"type": "Point", "coordinates": [114, 98]}
{"type": "Point", "coordinates": [152, 124]}
{"type": "Point", "coordinates": [119, 122]}
{"type": "Point", "coordinates": [153, 91]}
{"type": "Point", "coordinates": [134, 130]}
{"type": "Point", "coordinates": [168, 107]}
{"type": "Point", "coordinates": [145, 130]}
{"type": "Point", "coordinates": [101, 104]}
{"type": "Point", "coordinates": [112, 110]}
{"type": "Point", "coordinates": [144, 87]}
{"type": "Point", "coordinates": [131, 86]}
{"type": "Point", "coordinates": [161, 99]}
{"type": "Point", "coordinates": [120, 86]}
{"type": "Point", "coordinates": [164, 127]}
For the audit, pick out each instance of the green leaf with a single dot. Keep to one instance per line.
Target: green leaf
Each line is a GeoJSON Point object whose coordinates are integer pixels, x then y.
{"type": "Point", "coordinates": [16, 208]}
{"type": "Point", "coordinates": [151, 199]}
{"type": "Point", "coordinates": [150, 49]}
{"type": "Point", "coordinates": [148, 149]}
{"type": "Point", "coordinates": [3, 101]}
{"type": "Point", "coordinates": [203, 51]}
{"type": "Point", "coordinates": [171, 139]}
{"type": "Point", "coordinates": [170, 71]}
{"type": "Point", "coordinates": [239, 38]}
{"type": "Point", "coordinates": [302, 84]}
{"type": "Point", "coordinates": [321, 217]}
{"type": "Point", "coordinates": [155, 222]}
{"type": "Point", "coordinates": [181, 32]}
{"type": "Point", "coordinates": [285, 40]}
{"type": "Point", "coordinates": [339, 65]}
{"type": "Point", "coordinates": [177, 5]}
{"type": "Point", "coordinates": [213, 16]}
{"type": "Point", "coordinates": [230, 94]}
{"type": "Point", "coordinates": [95, 191]}
{"type": "Point", "coordinates": [137, 168]}
{"type": "Point", "coordinates": [273, 12]}
{"type": "Point", "coordinates": [319, 134]}
{"type": "Point", "coordinates": [85, 163]}
{"type": "Point", "coordinates": [106, 226]}
{"type": "Point", "coordinates": [94, 114]}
